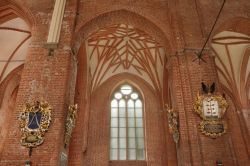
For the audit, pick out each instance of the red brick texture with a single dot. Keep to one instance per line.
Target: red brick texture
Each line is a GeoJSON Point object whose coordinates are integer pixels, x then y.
{"type": "Point", "coordinates": [98, 134]}
{"type": "Point", "coordinates": [195, 148]}
{"type": "Point", "coordinates": [179, 26]}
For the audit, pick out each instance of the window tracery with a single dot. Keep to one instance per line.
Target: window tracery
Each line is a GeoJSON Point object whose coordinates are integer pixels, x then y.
{"type": "Point", "coordinates": [126, 125]}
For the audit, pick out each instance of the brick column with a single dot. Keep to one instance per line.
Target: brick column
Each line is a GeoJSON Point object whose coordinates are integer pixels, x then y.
{"type": "Point", "coordinates": [44, 78]}
{"type": "Point", "coordinates": [194, 147]}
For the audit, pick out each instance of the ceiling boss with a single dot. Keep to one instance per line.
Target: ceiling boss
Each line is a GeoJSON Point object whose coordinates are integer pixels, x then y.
{"type": "Point", "coordinates": [211, 108]}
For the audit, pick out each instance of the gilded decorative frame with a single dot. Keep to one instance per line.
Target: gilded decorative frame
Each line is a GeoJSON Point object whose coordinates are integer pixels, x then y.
{"type": "Point", "coordinates": [213, 127]}
{"type": "Point", "coordinates": [32, 137]}
{"type": "Point", "coordinates": [70, 123]}
{"type": "Point", "coordinates": [198, 107]}
{"type": "Point", "coordinates": [215, 133]}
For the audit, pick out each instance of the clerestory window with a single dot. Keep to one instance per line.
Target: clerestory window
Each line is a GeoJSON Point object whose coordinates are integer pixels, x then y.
{"type": "Point", "coordinates": [126, 125]}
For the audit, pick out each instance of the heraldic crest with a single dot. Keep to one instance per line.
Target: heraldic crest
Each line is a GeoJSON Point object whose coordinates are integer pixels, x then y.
{"type": "Point", "coordinates": [211, 108]}
{"type": "Point", "coordinates": [34, 122]}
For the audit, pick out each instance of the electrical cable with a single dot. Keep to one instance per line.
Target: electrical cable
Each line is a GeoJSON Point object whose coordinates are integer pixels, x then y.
{"type": "Point", "coordinates": [199, 55]}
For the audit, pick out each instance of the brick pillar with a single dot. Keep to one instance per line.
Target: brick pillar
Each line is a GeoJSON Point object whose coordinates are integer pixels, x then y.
{"type": "Point", "coordinates": [44, 78]}
{"type": "Point", "coordinates": [195, 148]}
{"type": "Point", "coordinates": [78, 145]}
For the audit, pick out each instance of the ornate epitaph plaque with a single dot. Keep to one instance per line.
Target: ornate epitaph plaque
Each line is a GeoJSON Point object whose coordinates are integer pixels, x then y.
{"type": "Point", "coordinates": [34, 122]}
{"type": "Point", "coordinates": [211, 108]}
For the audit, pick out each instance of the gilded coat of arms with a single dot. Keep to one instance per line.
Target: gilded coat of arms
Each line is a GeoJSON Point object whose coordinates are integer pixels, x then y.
{"type": "Point", "coordinates": [211, 109]}
{"type": "Point", "coordinates": [34, 122]}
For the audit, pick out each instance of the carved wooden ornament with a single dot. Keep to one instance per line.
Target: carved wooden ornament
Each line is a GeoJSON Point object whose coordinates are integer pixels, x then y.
{"type": "Point", "coordinates": [34, 122]}
{"type": "Point", "coordinates": [211, 109]}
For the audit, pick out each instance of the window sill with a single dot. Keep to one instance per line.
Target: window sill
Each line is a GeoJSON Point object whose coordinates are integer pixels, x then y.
{"type": "Point", "coordinates": [127, 162]}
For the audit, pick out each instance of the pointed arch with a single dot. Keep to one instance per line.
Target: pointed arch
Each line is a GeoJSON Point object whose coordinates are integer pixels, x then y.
{"type": "Point", "coordinates": [122, 16]}
{"type": "Point", "coordinates": [231, 44]}
{"type": "Point", "coordinates": [236, 24]}
{"type": "Point", "coordinates": [124, 48]}
{"type": "Point", "coordinates": [127, 81]}
{"type": "Point", "coordinates": [12, 9]}
{"type": "Point", "coordinates": [8, 93]}
{"type": "Point", "coordinates": [127, 140]}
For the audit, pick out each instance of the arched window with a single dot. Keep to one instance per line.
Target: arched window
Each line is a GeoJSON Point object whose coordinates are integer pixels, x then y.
{"type": "Point", "coordinates": [126, 125]}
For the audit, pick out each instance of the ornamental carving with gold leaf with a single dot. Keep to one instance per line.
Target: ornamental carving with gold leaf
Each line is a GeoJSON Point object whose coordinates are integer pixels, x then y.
{"type": "Point", "coordinates": [34, 122]}
{"type": "Point", "coordinates": [211, 108]}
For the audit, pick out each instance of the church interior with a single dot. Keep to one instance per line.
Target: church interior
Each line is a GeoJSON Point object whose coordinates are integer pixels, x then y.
{"type": "Point", "coordinates": [125, 83]}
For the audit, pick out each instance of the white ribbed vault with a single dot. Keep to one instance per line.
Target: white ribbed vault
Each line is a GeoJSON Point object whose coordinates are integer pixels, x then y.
{"type": "Point", "coordinates": [14, 40]}
{"type": "Point", "coordinates": [123, 48]}
{"type": "Point", "coordinates": [233, 63]}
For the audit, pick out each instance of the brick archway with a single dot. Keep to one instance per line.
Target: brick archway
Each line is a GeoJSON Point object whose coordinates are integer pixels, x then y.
{"type": "Point", "coordinates": [231, 46]}
{"type": "Point", "coordinates": [84, 30]}
{"type": "Point", "coordinates": [9, 90]}
{"type": "Point", "coordinates": [237, 24]}
{"type": "Point", "coordinates": [93, 140]}
{"type": "Point", "coordinates": [231, 35]}
{"type": "Point", "coordinates": [13, 9]}
{"type": "Point", "coordinates": [80, 138]}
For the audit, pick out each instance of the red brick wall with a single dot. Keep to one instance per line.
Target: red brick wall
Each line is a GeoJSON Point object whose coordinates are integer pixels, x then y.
{"type": "Point", "coordinates": [9, 89]}
{"type": "Point", "coordinates": [195, 148]}
{"type": "Point", "coordinates": [176, 25]}
{"type": "Point", "coordinates": [98, 133]}
{"type": "Point", "coordinates": [78, 144]}
{"type": "Point", "coordinates": [43, 78]}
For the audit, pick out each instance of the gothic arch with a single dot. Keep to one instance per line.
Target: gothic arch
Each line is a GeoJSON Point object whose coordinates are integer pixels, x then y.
{"type": "Point", "coordinates": [231, 45]}
{"type": "Point", "coordinates": [15, 24]}
{"type": "Point", "coordinates": [12, 80]}
{"type": "Point", "coordinates": [99, 125]}
{"type": "Point", "coordinates": [127, 81]}
{"type": "Point", "coordinates": [153, 27]}
{"type": "Point", "coordinates": [232, 35]}
{"type": "Point", "coordinates": [123, 48]}
{"type": "Point", "coordinates": [8, 89]}
{"type": "Point", "coordinates": [237, 24]}
{"type": "Point", "coordinates": [12, 9]}
{"type": "Point", "coordinates": [84, 95]}
{"type": "Point", "coordinates": [122, 16]}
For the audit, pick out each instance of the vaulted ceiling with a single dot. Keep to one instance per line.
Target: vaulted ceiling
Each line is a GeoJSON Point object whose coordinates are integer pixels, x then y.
{"type": "Point", "coordinates": [123, 48]}
{"type": "Point", "coordinates": [14, 40]}
{"type": "Point", "coordinates": [233, 63]}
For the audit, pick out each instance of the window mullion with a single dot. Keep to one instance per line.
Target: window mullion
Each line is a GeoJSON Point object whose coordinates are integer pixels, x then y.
{"type": "Point", "coordinates": [126, 118]}
{"type": "Point", "coordinates": [143, 129]}
{"type": "Point", "coordinates": [135, 131]}
{"type": "Point", "coordinates": [118, 139]}
{"type": "Point", "coordinates": [128, 123]}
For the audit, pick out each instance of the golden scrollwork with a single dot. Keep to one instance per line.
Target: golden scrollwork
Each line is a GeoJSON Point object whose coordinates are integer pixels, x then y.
{"type": "Point", "coordinates": [198, 106]}
{"type": "Point", "coordinates": [70, 123]}
{"type": "Point", "coordinates": [211, 108]}
{"type": "Point", "coordinates": [214, 128]}
{"type": "Point", "coordinates": [173, 123]}
{"type": "Point", "coordinates": [34, 120]}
